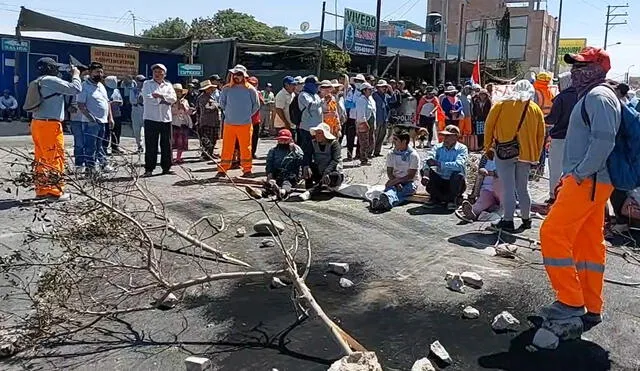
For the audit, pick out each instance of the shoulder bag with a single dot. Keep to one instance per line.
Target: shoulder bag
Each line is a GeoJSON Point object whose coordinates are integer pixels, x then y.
{"type": "Point", "coordinates": [511, 149]}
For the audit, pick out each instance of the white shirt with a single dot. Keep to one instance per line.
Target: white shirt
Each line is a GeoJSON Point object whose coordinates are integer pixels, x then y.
{"type": "Point", "coordinates": [353, 95]}
{"type": "Point", "coordinates": [154, 110]}
{"type": "Point", "coordinates": [283, 101]}
{"type": "Point", "coordinates": [8, 103]}
{"type": "Point", "coordinates": [402, 166]}
{"type": "Point", "coordinates": [365, 109]}
{"type": "Point", "coordinates": [487, 183]}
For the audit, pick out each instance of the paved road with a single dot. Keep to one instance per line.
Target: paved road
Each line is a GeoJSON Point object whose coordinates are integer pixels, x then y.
{"type": "Point", "coordinates": [398, 306]}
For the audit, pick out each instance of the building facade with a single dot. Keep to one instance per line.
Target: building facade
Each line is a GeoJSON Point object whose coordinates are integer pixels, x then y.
{"type": "Point", "coordinates": [533, 31]}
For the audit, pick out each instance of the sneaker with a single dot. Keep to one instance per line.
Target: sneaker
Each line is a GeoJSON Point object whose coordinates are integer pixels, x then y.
{"type": "Point", "coordinates": [147, 174]}
{"type": "Point", "coordinates": [506, 226]}
{"type": "Point", "coordinates": [526, 224]}
{"type": "Point", "coordinates": [365, 163]}
{"type": "Point", "coordinates": [375, 204]}
{"type": "Point", "coordinates": [467, 212]}
{"type": "Point", "coordinates": [550, 201]}
{"type": "Point", "coordinates": [591, 320]}
{"type": "Point", "coordinates": [247, 174]}
{"type": "Point", "coordinates": [140, 149]}
{"type": "Point", "coordinates": [220, 174]}
{"type": "Point", "coordinates": [349, 157]}
{"type": "Point", "coordinates": [557, 311]}
{"type": "Point", "coordinates": [385, 203]}
{"type": "Point", "coordinates": [168, 172]}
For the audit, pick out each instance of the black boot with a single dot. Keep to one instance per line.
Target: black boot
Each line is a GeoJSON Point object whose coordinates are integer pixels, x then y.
{"type": "Point", "coordinates": [526, 224]}
{"type": "Point", "coordinates": [506, 226]}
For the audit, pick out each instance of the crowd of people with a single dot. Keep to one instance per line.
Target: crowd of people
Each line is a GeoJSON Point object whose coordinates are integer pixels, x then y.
{"type": "Point", "coordinates": [577, 129]}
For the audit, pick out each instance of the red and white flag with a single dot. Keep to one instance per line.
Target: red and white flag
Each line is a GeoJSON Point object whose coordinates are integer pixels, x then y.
{"type": "Point", "coordinates": [475, 75]}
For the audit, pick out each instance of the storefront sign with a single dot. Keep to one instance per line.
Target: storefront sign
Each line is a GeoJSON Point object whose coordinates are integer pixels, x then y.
{"type": "Point", "coordinates": [187, 70]}
{"type": "Point", "coordinates": [359, 32]}
{"type": "Point", "coordinates": [569, 46]}
{"type": "Point", "coordinates": [116, 61]}
{"type": "Point", "coordinates": [13, 45]}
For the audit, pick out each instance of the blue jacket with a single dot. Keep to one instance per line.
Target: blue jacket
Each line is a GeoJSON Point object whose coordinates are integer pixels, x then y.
{"type": "Point", "coordinates": [382, 107]}
{"type": "Point", "coordinates": [561, 109]}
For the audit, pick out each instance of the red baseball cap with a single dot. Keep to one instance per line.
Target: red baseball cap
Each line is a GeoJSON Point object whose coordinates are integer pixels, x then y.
{"type": "Point", "coordinates": [590, 55]}
{"type": "Point", "coordinates": [284, 134]}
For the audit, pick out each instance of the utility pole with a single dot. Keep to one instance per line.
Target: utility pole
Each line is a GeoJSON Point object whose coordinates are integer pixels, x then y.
{"type": "Point", "coordinates": [335, 10]}
{"type": "Point", "coordinates": [324, 9]}
{"type": "Point", "coordinates": [461, 28]}
{"type": "Point", "coordinates": [556, 66]}
{"type": "Point", "coordinates": [444, 39]}
{"type": "Point", "coordinates": [133, 18]}
{"type": "Point", "coordinates": [611, 16]}
{"type": "Point", "coordinates": [378, 11]}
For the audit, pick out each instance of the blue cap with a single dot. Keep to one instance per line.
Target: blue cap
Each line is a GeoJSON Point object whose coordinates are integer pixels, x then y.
{"type": "Point", "coordinates": [288, 80]}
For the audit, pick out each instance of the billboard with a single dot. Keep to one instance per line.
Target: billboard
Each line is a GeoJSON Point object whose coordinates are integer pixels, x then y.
{"type": "Point", "coordinates": [569, 46]}
{"type": "Point", "coordinates": [116, 61]}
{"type": "Point", "coordinates": [359, 32]}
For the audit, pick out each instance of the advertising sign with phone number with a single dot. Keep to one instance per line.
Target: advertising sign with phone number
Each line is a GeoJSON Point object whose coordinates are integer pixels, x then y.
{"type": "Point", "coordinates": [116, 61]}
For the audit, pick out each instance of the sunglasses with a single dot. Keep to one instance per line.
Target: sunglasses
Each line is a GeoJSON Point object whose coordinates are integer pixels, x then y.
{"type": "Point", "coordinates": [581, 64]}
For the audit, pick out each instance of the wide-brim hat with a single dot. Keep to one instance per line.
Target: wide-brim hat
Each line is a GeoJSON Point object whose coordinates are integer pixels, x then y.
{"type": "Point", "coordinates": [179, 88]}
{"type": "Point", "coordinates": [141, 78]}
{"type": "Point", "coordinates": [450, 130]}
{"type": "Point", "coordinates": [325, 129]}
{"type": "Point", "coordinates": [326, 84]}
{"type": "Point", "coordinates": [206, 84]}
{"type": "Point", "coordinates": [239, 69]}
{"type": "Point", "coordinates": [365, 86]}
{"type": "Point", "coordinates": [450, 89]}
{"type": "Point", "coordinates": [382, 83]}
{"type": "Point", "coordinates": [160, 66]}
{"type": "Point", "coordinates": [359, 77]}
{"type": "Point", "coordinates": [335, 83]}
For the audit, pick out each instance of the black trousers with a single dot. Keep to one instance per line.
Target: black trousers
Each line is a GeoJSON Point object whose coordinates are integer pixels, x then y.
{"type": "Point", "coordinates": [116, 132]}
{"type": "Point", "coordinates": [427, 123]}
{"type": "Point", "coordinates": [617, 199]}
{"type": "Point", "coordinates": [8, 114]}
{"type": "Point", "coordinates": [350, 132]}
{"type": "Point", "coordinates": [445, 190]}
{"type": "Point", "coordinates": [154, 132]}
{"type": "Point", "coordinates": [335, 178]}
{"type": "Point", "coordinates": [254, 139]}
{"type": "Point", "coordinates": [106, 138]}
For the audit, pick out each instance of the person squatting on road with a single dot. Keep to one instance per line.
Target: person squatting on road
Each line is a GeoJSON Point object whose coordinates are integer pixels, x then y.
{"type": "Point", "coordinates": [284, 165]}
{"type": "Point", "coordinates": [403, 163]}
{"type": "Point", "coordinates": [515, 129]}
{"type": "Point", "coordinates": [209, 119]}
{"type": "Point", "coordinates": [239, 101]}
{"type": "Point", "coordinates": [558, 119]}
{"type": "Point", "coordinates": [571, 236]}
{"type": "Point", "coordinates": [365, 123]}
{"type": "Point", "coordinates": [443, 172]}
{"type": "Point", "coordinates": [158, 95]}
{"type": "Point", "coordinates": [8, 106]}
{"type": "Point", "coordinates": [325, 170]}
{"type": "Point", "coordinates": [46, 127]}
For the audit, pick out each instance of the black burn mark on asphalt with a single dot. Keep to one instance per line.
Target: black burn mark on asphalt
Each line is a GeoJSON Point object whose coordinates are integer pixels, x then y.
{"type": "Point", "coordinates": [399, 332]}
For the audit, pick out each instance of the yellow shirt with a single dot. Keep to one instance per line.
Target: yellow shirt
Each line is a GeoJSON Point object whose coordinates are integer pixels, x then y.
{"type": "Point", "coordinates": [502, 124]}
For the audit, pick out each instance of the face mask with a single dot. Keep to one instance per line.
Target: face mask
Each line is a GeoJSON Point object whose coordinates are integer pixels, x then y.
{"type": "Point", "coordinates": [283, 145]}
{"type": "Point", "coordinates": [96, 78]}
{"type": "Point", "coordinates": [584, 77]}
{"type": "Point", "coordinates": [358, 85]}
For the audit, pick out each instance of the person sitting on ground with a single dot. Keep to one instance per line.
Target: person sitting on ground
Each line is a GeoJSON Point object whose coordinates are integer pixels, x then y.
{"type": "Point", "coordinates": [486, 191]}
{"type": "Point", "coordinates": [8, 106]}
{"type": "Point", "coordinates": [402, 168]}
{"type": "Point", "coordinates": [284, 162]}
{"type": "Point", "coordinates": [325, 170]}
{"type": "Point", "coordinates": [443, 173]}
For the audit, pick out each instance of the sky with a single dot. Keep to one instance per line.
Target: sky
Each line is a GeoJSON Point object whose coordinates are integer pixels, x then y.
{"type": "Point", "coordinates": [581, 18]}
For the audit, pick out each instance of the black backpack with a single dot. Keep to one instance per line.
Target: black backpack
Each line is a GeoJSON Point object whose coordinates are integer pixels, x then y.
{"type": "Point", "coordinates": [295, 113]}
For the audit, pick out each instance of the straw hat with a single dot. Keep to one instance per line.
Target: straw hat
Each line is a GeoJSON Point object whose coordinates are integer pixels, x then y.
{"type": "Point", "coordinates": [325, 129]}
{"type": "Point", "coordinates": [179, 88]}
{"type": "Point", "coordinates": [326, 84]}
{"type": "Point", "coordinates": [206, 84]}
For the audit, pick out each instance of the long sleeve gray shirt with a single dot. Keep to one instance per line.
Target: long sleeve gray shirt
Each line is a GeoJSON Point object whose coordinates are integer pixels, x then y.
{"type": "Point", "coordinates": [588, 147]}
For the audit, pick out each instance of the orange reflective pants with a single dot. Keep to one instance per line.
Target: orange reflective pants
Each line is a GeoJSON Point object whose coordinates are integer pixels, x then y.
{"type": "Point", "coordinates": [465, 126]}
{"type": "Point", "coordinates": [241, 133]}
{"type": "Point", "coordinates": [48, 141]}
{"type": "Point", "coordinates": [572, 239]}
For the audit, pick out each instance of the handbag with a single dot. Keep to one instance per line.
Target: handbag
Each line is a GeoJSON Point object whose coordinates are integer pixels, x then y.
{"type": "Point", "coordinates": [511, 149]}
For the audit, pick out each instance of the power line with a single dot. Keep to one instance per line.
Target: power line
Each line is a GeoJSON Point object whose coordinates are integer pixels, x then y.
{"type": "Point", "coordinates": [397, 9]}
{"type": "Point", "coordinates": [408, 10]}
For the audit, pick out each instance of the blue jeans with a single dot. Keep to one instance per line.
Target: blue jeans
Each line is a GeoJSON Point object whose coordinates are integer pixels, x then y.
{"type": "Point", "coordinates": [85, 140]}
{"type": "Point", "coordinates": [98, 142]}
{"type": "Point", "coordinates": [78, 143]}
{"type": "Point", "coordinates": [399, 194]}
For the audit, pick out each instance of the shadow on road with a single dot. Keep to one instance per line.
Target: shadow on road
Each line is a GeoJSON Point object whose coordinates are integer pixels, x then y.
{"type": "Point", "coordinates": [426, 210]}
{"type": "Point", "coordinates": [479, 240]}
{"type": "Point", "coordinates": [573, 355]}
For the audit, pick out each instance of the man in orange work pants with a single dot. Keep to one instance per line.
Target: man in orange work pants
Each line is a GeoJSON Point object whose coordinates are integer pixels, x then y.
{"type": "Point", "coordinates": [572, 235]}
{"type": "Point", "coordinates": [46, 126]}
{"type": "Point", "coordinates": [239, 101]}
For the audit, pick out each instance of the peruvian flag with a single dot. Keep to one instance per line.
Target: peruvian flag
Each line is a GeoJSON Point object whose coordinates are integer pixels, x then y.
{"type": "Point", "coordinates": [475, 75]}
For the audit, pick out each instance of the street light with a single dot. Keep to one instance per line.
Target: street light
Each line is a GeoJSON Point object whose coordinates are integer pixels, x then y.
{"type": "Point", "coordinates": [629, 71]}
{"type": "Point", "coordinates": [618, 43]}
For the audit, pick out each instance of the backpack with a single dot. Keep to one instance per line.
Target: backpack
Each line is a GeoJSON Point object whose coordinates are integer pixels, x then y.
{"type": "Point", "coordinates": [295, 113]}
{"type": "Point", "coordinates": [623, 163]}
{"type": "Point", "coordinates": [34, 97]}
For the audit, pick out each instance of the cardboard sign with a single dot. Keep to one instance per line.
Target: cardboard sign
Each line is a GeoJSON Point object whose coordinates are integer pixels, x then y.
{"type": "Point", "coordinates": [116, 61]}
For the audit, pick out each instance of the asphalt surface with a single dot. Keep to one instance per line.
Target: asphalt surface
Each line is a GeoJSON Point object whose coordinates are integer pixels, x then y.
{"type": "Point", "coordinates": [397, 308]}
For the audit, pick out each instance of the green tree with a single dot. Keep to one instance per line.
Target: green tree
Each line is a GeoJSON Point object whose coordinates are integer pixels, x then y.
{"type": "Point", "coordinates": [229, 23]}
{"type": "Point", "coordinates": [335, 60]}
{"type": "Point", "coordinates": [170, 28]}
